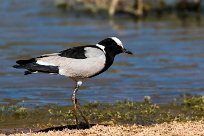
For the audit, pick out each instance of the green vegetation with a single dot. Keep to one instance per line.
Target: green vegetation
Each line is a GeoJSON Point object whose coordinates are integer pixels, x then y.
{"type": "Point", "coordinates": [126, 112]}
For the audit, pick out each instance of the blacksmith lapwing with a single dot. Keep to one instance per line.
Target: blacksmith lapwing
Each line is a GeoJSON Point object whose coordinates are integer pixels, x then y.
{"type": "Point", "coordinates": [77, 63]}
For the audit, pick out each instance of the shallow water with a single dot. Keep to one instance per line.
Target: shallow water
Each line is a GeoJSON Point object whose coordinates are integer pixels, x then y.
{"type": "Point", "coordinates": [168, 60]}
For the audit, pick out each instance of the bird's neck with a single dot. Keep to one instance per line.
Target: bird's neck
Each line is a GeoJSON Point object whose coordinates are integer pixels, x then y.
{"type": "Point", "coordinates": [109, 61]}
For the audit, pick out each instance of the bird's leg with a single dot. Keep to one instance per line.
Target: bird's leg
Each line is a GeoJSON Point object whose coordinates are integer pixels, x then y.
{"type": "Point", "coordinates": [75, 106]}
{"type": "Point", "coordinates": [79, 83]}
{"type": "Point", "coordinates": [84, 117]}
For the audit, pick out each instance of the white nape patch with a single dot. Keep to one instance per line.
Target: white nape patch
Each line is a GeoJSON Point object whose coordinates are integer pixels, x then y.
{"type": "Point", "coordinates": [117, 41]}
{"type": "Point", "coordinates": [44, 63]}
{"type": "Point", "coordinates": [101, 47]}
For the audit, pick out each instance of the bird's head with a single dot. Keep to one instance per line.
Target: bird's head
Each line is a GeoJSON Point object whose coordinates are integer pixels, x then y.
{"type": "Point", "coordinates": [113, 45]}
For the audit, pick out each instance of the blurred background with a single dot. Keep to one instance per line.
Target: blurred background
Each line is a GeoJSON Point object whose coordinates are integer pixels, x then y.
{"type": "Point", "coordinates": [166, 36]}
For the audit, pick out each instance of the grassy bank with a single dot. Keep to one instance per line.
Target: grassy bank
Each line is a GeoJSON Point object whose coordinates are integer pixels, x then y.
{"type": "Point", "coordinates": [119, 113]}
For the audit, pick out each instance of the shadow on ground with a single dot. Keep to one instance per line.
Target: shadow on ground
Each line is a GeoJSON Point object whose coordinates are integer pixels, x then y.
{"type": "Point", "coordinates": [60, 128]}
{"type": "Point", "coordinates": [57, 128]}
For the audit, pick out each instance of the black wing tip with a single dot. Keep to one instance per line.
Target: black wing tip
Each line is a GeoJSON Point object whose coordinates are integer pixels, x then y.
{"type": "Point", "coordinates": [20, 61]}
{"type": "Point", "coordinates": [23, 62]}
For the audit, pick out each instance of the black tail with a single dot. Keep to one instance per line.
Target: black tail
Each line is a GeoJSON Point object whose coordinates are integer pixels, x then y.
{"type": "Point", "coordinates": [18, 66]}
{"type": "Point", "coordinates": [33, 67]}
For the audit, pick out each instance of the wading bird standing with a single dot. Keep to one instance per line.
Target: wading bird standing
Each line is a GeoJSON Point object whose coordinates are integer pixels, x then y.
{"type": "Point", "coordinates": [77, 63]}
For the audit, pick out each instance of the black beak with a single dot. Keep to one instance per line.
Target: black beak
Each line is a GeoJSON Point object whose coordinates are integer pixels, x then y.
{"type": "Point", "coordinates": [126, 51]}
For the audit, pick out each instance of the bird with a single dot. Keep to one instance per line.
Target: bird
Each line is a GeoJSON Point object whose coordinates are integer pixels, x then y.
{"type": "Point", "coordinates": [77, 63]}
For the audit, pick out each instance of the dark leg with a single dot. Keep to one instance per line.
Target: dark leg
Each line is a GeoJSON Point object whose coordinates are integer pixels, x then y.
{"type": "Point", "coordinates": [84, 117]}
{"type": "Point", "coordinates": [77, 105]}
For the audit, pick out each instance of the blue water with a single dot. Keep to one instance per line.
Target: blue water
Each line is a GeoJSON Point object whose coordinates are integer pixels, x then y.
{"type": "Point", "coordinates": [168, 59]}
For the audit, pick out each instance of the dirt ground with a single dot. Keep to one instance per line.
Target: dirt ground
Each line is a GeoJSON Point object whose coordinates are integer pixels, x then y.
{"type": "Point", "coordinates": [165, 129]}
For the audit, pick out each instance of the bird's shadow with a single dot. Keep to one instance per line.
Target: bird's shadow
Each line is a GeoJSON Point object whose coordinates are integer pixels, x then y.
{"type": "Point", "coordinates": [60, 128]}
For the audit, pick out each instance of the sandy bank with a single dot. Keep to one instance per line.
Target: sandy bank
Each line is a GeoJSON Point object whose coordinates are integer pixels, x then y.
{"type": "Point", "coordinates": [165, 129]}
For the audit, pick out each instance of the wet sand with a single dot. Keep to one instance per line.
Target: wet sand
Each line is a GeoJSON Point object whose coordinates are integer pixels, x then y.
{"type": "Point", "coordinates": [165, 129]}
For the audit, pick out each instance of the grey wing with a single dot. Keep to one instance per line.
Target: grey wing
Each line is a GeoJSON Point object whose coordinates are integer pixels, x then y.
{"type": "Point", "coordinates": [92, 63]}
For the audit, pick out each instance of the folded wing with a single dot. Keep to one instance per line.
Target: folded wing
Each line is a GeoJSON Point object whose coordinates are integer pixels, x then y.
{"type": "Point", "coordinates": [73, 62]}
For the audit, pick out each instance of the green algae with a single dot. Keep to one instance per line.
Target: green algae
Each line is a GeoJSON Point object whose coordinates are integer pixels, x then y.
{"type": "Point", "coordinates": [121, 112]}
